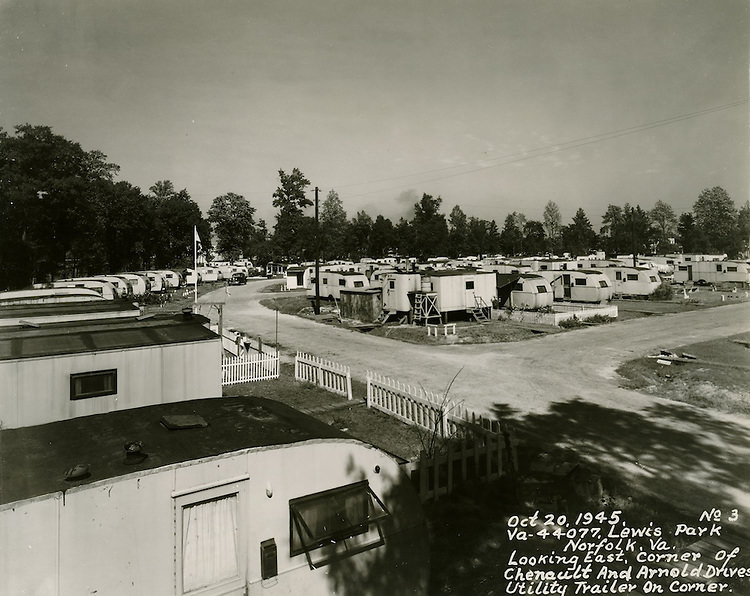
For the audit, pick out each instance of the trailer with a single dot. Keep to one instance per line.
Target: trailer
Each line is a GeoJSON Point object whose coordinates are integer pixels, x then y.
{"type": "Point", "coordinates": [139, 284]}
{"type": "Point", "coordinates": [461, 291]}
{"type": "Point", "coordinates": [332, 282]}
{"type": "Point", "coordinates": [579, 285]}
{"type": "Point", "coordinates": [49, 296]}
{"type": "Point", "coordinates": [531, 292]}
{"type": "Point", "coordinates": [713, 272]}
{"type": "Point", "coordinates": [637, 282]}
{"type": "Point", "coordinates": [398, 288]}
{"type": "Point", "coordinates": [104, 288]}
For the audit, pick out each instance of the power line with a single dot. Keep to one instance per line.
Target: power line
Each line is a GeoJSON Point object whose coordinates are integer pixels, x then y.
{"type": "Point", "coordinates": [539, 151]}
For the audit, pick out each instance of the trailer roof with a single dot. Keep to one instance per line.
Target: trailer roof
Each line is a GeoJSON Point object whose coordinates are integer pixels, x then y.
{"type": "Point", "coordinates": [56, 339]}
{"type": "Point", "coordinates": [456, 272]}
{"type": "Point", "coordinates": [95, 308]}
{"type": "Point", "coordinates": [34, 460]}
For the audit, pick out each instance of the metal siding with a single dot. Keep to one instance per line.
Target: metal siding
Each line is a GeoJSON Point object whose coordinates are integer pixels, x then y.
{"type": "Point", "coordinates": [29, 544]}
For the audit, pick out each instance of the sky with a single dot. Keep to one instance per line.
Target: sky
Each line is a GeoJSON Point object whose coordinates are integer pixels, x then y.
{"type": "Point", "coordinates": [493, 105]}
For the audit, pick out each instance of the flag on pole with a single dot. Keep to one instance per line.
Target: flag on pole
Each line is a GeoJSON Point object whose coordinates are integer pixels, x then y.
{"type": "Point", "coordinates": [198, 245]}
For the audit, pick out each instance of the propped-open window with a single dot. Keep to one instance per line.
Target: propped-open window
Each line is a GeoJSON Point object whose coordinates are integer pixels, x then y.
{"type": "Point", "coordinates": [336, 523]}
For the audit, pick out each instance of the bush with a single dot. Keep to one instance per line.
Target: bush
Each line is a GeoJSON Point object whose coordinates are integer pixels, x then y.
{"type": "Point", "coordinates": [663, 292]}
{"type": "Point", "coordinates": [571, 323]}
{"type": "Point", "coordinates": [597, 319]}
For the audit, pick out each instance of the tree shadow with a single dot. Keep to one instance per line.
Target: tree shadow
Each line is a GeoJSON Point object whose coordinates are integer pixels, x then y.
{"type": "Point", "coordinates": [401, 564]}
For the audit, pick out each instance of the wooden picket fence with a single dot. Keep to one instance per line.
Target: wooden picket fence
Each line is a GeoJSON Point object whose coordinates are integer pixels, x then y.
{"type": "Point", "coordinates": [472, 446]}
{"type": "Point", "coordinates": [413, 405]}
{"type": "Point", "coordinates": [476, 456]}
{"type": "Point", "coordinates": [244, 369]}
{"type": "Point", "coordinates": [329, 375]}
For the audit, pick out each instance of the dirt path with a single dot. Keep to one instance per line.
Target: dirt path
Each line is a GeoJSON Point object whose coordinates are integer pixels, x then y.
{"type": "Point", "coordinates": [561, 386]}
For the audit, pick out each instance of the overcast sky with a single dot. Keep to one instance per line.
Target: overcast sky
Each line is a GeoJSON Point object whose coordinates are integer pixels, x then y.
{"type": "Point", "coordinates": [495, 105]}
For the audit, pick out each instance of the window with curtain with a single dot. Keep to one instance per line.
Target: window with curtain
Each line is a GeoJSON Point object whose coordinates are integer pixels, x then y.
{"type": "Point", "coordinates": [210, 553]}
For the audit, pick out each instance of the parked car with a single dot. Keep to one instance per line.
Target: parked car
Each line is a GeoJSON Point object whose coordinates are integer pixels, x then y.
{"type": "Point", "coordinates": [238, 279]}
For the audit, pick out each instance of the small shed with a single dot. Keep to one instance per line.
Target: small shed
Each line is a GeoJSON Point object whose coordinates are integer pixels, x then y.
{"type": "Point", "coordinates": [363, 305]}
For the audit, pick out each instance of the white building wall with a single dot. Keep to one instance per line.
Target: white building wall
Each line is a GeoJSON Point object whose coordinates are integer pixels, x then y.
{"type": "Point", "coordinates": [37, 390]}
{"type": "Point", "coordinates": [118, 536]}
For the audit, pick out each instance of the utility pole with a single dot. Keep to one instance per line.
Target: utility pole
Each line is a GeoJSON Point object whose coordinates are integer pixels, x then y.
{"type": "Point", "coordinates": [317, 256]}
{"type": "Point", "coordinates": [632, 237]}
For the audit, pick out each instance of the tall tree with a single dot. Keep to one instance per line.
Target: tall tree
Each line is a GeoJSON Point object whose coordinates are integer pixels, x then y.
{"type": "Point", "coordinates": [458, 232]}
{"type": "Point", "coordinates": [231, 216]}
{"type": "Point", "coordinates": [333, 227]}
{"type": "Point", "coordinates": [45, 183]}
{"type": "Point", "coordinates": [614, 232]}
{"type": "Point", "coordinates": [290, 199]}
{"type": "Point", "coordinates": [716, 218]}
{"type": "Point", "coordinates": [404, 237]}
{"type": "Point", "coordinates": [579, 238]}
{"type": "Point", "coordinates": [511, 236]}
{"type": "Point", "coordinates": [176, 216]}
{"type": "Point", "coordinates": [665, 223]}
{"type": "Point", "coordinates": [690, 236]}
{"type": "Point", "coordinates": [552, 222]}
{"type": "Point", "coordinates": [382, 239]}
{"type": "Point", "coordinates": [360, 231]}
{"type": "Point", "coordinates": [429, 227]}
{"type": "Point", "coordinates": [534, 241]}
{"type": "Point", "coordinates": [743, 232]}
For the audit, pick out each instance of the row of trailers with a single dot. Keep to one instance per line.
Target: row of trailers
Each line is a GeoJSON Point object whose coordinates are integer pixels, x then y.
{"type": "Point", "coordinates": [449, 294]}
{"type": "Point", "coordinates": [97, 287]}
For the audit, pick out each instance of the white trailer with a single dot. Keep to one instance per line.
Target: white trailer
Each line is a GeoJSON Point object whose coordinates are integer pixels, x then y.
{"type": "Point", "coordinates": [531, 292]}
{"type": "Point", "coordinates": [632, 281]}
{"type": "Point", "coordinates": [461, 289]}
{"type": "Point", "coordinates": [397, 286]}
{"type": "Point", "coordinates": [579, 285]}
{"type": "Point", "coordinates": [104, 288]}
{"type": "Point", "coordinates": [713, 272]}
{"type": "Point", "coordinates": [332, 282]}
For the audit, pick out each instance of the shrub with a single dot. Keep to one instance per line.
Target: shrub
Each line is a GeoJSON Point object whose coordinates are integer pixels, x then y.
{"type": "Point", "coordinates": [597, 319]}
{"type": "Point", "coordinates": [663, 292]}
{"type": "Point", "coordinates": [571, 323]}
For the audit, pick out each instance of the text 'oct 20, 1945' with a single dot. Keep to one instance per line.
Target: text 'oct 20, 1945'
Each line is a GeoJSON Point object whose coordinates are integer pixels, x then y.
{"type": "Point", "coordinates": [601, 553]}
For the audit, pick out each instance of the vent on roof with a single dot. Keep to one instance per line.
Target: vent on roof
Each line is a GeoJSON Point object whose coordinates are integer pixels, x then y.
{"type": "Point", "coordinates": [134, 453]}
{"type": "Point", "coordinates": [183, 421]}
{"type": "Point", "coordinates": [78, 472]}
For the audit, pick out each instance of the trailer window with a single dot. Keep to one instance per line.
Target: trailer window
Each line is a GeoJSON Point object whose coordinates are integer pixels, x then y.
{"type": "Point", "coordinates": [93, 384]}
{"type": "Point", "coordinates": [470, 284]}
{"type": "Point", "coordinates": [359, 284]}
{"type": "Point", "coordinates": [653, 278]}
{"type": "Point", "coordinates": [518, 288]}
{"type": "Point", "coordinates": [682, 267]}
{"type": "Point", "coordinates": [325, 280]}
{"type": "Point", "coordinates": [342, 282]}
{"type": "Point", "coordinates": [618, 275]}
{"type": "Point", "coordinates": [336, 523]}
{"type": "Point", "coordinates": [543, 267]}
{"type": "Point", "coordinates": [718, 268]}
{"type": "Point", "coordinates": [392, 285]}
{"type": "Point", "coordinates": [541, 289]}
{"type": "Point", "coordinates": [731, 269]}
{"type": "Point", "coordinates": [632, 277]}
{"type": "Point", "coordinates": [581, 281]}
{"type": "Point", "coordinates": [603, 283]}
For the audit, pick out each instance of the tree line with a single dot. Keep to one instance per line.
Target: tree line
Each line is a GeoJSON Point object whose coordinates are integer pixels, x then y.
{"type": "Point", "coordinates": [63, 213]}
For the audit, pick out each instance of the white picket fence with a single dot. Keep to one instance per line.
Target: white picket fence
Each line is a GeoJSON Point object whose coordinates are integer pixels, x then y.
{"type": "Point", "coordinates": [255, 367]}
{"type": "Point", "coordinates": [329, 375]}
{"type": "Point", "coordinates": [423, 408]}
{"type": "Point", "coordinates": [413, 405]}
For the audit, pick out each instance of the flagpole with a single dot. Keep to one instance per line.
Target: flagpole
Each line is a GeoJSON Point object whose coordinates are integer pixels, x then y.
{"type": "Point", "coordinates": [195, 262]}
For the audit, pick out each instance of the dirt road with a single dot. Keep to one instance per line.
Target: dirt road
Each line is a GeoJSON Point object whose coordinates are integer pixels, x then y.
{"type": "Point", "coordinates": [560, 386]}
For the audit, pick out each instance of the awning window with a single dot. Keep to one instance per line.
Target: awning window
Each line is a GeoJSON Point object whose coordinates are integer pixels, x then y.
{"type": "Point", "coordinates": [336, 523]}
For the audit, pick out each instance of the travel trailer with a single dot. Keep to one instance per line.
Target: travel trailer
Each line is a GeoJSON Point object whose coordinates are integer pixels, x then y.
{"type": "Point", "coordinates": [636, 282]}
{"type": "Point", "coordinates": [49, 296]}
{"type": "Point", "coordinates": [531, 292]}
{"type": "Point", "coordinates": [104, 288]}
{"type": "Point", "coordinates": [332, 282]}
{"type": "Point", "coordinates": [579, 285]}
{"type": "Point", "coordinates": [713, 272]}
